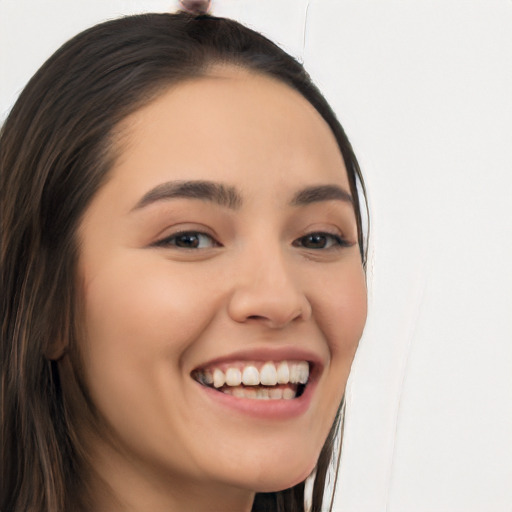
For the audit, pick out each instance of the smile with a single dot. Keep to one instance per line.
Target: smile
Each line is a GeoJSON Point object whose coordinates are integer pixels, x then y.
{"type": "Point", "coordinates": [282, 380]}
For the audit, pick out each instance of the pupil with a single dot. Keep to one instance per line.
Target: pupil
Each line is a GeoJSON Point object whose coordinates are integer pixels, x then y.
{"type": "Point", "coordinates": [188, 240]}
{"type": "Point", "coordinates": [315, 241]}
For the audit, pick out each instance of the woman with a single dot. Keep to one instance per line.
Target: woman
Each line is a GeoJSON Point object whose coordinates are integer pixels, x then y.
{"type": "Point", "coordinates": [182, 272]}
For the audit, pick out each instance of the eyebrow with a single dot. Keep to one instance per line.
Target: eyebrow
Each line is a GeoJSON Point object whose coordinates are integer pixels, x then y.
{"type": "Point", "coordinates": [319, 193]}
{"type": "Point", "coordinates": [228, 196]}
{"type": "Point", "coordinates": [204, 190]}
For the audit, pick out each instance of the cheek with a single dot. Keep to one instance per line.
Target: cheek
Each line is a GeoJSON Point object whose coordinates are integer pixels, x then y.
{"type": "Point", "coordinates": [146, 307]}
{"type": "Point", "coordinates": [341, 315]}
{"type": "Point", "coordinates": [342, 309]}
{"type": "Point", "coordinates": [352, 312]}
{"type": "Point", "coordinates": [140, 319]}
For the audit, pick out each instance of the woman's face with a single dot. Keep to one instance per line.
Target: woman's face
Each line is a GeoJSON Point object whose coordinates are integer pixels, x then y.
{"type": "Point", "coordinates": [223, 246]}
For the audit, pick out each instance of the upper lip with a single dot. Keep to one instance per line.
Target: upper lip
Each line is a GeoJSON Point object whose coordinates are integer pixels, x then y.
{"type": "Point", "coordinates": [267, 354]}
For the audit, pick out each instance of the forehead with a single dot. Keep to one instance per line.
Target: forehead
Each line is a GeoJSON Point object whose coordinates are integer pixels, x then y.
{"type": "Point", "coordinates": [234, 126]}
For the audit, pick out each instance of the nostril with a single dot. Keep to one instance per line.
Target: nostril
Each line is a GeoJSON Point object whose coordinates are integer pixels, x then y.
{"type": "Point", "coordinates": [268, 302]}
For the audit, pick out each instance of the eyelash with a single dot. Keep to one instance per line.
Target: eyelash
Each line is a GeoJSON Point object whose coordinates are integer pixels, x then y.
{"type": "Point", "coordinates": [337, 241]}
{"type": "Point", "coordinates": [171, 240]}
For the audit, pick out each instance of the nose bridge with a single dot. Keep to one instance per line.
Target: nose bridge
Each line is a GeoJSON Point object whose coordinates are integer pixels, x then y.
{"type": "Point", "coordinates": [267, 288]}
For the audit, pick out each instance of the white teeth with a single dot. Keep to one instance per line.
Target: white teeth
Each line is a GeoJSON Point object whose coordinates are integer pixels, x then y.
{"type": "Point", "coordinates": [303, 372]}
{"type": "Point", "coordinates": [219, 379]}
{"type": "Point", "coordinates": [286, 372]}
{"type": "Point", "coordinates": [233, 377]}
{"type": "Point", "coordinates": [294, 373]}
{"type": "Point", "coordinates": [260, 393]}
{"type": "Point", "coordinates": [283, 373]}
{"type": "Point", "coordinates": [239, 392]}
{"type": "Point", "coordinates": [268, 375]}
{"type": "Point", "coordinates": [288, 394]}
{"type": "Point", "coordinates": [250, 393]}
{"type": "Point", "coordinates": [251, 376]}
{"type": "Point", "coordinates": [299, 373]}
{"type": "Point", "coordinates": [275, 393]}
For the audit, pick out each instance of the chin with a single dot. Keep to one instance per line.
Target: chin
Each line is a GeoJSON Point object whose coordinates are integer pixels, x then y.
{"type": "Point", "coordinates": [279, 477]}
{"type": "Point", "coordinates": [285, 484]}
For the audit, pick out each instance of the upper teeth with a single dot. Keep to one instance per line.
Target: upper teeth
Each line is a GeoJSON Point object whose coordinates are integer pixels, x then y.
{"type": "Point", "coordinates": [269, 374]}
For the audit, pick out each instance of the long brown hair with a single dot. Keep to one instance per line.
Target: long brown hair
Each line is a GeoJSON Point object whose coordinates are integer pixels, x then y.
{"type": "Point", "coordinates": [56, 149]}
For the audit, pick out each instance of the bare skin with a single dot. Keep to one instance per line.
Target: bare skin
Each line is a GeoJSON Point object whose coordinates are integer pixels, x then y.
{"type": "Point", "coordinates": [174, 282]}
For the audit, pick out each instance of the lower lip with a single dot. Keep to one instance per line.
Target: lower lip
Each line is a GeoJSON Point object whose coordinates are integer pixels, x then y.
{"type": "Point", "coordinates": [264, 409]}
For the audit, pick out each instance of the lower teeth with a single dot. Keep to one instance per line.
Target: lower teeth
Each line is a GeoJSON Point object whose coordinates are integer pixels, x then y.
{"type": "Point", "coordinates": [261, 392]}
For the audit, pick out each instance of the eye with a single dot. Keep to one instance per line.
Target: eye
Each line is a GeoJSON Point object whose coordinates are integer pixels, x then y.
{"type": "Point", "coordinates": [321, 240]}
{"type": "Point", "coordinates": [188, 240]}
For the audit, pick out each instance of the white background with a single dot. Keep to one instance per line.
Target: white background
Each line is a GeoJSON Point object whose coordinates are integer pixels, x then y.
{"type": "Point", "coordinates": [424, 91]}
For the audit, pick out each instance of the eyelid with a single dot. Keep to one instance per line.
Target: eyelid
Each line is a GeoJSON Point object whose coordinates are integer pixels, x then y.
{"type": "Point", "coordinates": [340, 241]}
{"type": "Point", "coordinates": [165, 241]}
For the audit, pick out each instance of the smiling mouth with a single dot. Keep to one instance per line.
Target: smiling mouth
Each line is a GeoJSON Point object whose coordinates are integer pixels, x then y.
{"type": "Point", "coordinates": [283, 380]}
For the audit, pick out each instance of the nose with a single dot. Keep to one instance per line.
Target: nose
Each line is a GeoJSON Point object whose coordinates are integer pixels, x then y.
{"type": "Point", "coordinates": [267, 292]}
